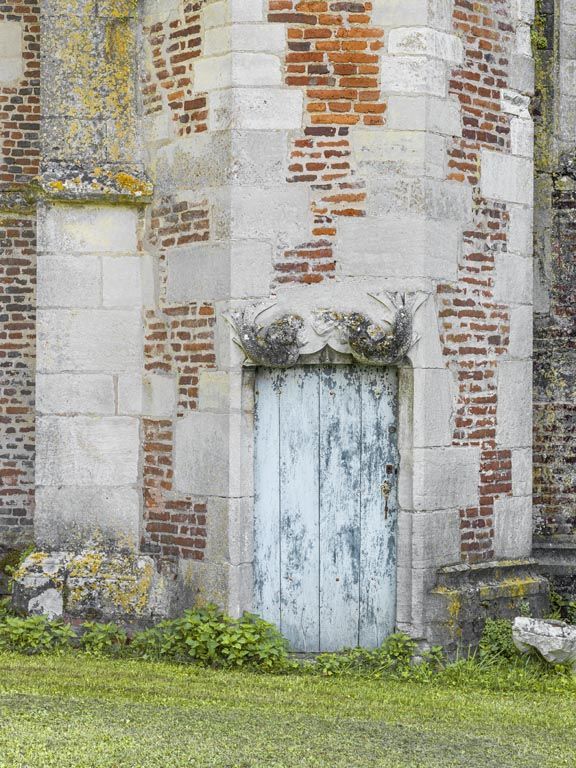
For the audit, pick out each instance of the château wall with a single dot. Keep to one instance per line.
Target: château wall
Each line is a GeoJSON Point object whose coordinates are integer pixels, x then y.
{"type": "Point", "coordinates": [207, 160]}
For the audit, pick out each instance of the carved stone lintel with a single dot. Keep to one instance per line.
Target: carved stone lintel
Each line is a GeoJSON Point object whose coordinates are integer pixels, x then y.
{"type": "Point", "coordinates": [279, 344]}
{"type": "Point", "coordinates": [369, 341]}
{"type": "Point", "coordinates": [276, 345]}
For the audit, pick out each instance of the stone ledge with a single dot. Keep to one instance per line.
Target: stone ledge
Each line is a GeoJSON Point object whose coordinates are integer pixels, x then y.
{"type": "Point", "coordinates": [106, 184]}
{"type": "Point", "coordinates": [465, 596]}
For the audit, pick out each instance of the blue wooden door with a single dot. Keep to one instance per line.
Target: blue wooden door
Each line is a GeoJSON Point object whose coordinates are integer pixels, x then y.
{"type": "Point", "coordinates": [326, 504]}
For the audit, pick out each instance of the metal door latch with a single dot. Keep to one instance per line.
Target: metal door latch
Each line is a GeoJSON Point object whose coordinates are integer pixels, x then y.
{"type": "Point", "coordinates": [386, 489]}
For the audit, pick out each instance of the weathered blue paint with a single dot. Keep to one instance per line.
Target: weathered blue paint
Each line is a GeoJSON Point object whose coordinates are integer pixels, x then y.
{"type": "Point", "coordinates": [325, 523]}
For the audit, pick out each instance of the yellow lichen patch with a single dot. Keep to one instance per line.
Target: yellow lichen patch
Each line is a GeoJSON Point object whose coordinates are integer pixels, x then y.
{"type": "Point", "coordinates": [59, 185]}
{"type": "Point", "coordinates": [120, 582]}
{"type": "Point", "coordinates": [454, 608]}
{"type": "Point", "coordinates": [87, 566]}
{"type": "Point", "coordinates": [132, 185]}
{"type": "Point", "coordinates": [32, 562]}
{"type": "Point", "coordinates": [518, 588]}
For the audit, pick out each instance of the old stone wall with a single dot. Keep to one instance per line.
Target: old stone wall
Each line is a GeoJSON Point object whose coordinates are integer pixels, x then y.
{"type": "Point", "coordinates": [279, 156]}
{"type": "Point", "coordinates": [554, 329]}
{"type": "Point", "coordinates": [19, 163]}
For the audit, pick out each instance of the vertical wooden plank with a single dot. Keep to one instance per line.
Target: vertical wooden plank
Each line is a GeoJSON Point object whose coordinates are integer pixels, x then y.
{"type": "Point", "coordinates": [299, 493]}
{"type": "Point", "coordinates": [378, 528]}
{"type": "Point", "coordinates": [340, 446]}
{"type": "Point", "coordinates": [267, 495]}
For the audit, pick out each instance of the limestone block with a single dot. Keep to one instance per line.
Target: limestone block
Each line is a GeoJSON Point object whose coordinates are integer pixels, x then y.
{"type": "Point", "coordinates": [554, 640]}
{"type": "Point", "coordinates": [214, 391]}
{"type": "Point", "coordinates": [218, 271]}
{"type": "Point", "coordinates": [230, 531]}
{"type": "Point", "coordinates": [433, 404]}
{"type": "Point", "coordinates": [87, 229]}
{"type": "Point", "coordinates": [225, 11]}
{"type": "Point", "coordinates": [84, 450]}
{"type": "Point", "coordinates": [521, 332]}
{"type": "Point", "coordinates": [279, 214]}
{"type": "Point", "coordinates": [159, 395]}
{"type": "Point", "coordinates": [106, 341]}
{"type": "Point", "coordinates": [202, 454]}
{"type": "Point", "coordinates": [424, 113]}
{"type": "Point", "coordinates": [153, 395]}
{"type": "Point", "coordinates": [568, 11]}
{"type": "Point", "coordinates": [213, 455]}
{"type": "Point", "coordinates": [396, 13]}
{"type": "Point", "coordinates": [523, 44]}
{"type": "Point", "coordinates": [520, 230]}
{"type": "Point", "coordinates": [67, 393]}
{"type": "Point", "coordinates": [66, 517]}
{"type": "Point", "coordinates": [11, 60]}
{"type": "Point", "coordinates": [514, 281]}
{"type": "Point", "coordinates": [247, 10]}
{"type": "Point", "coordinates": [522, 472]}
{"type": "Point", "coordinates": [514, 414]}
{"type": "Point", "coordinates": [259, 158]}
{"type": "Point", "coordinates": [10, 39]}
{"type": "Point", "coordinates": [414, 74]}
{"type": "Point", "coordinates": [237, 69]}
{"type": "Point", "coordinates": [425, 41]}
{"type": "Point", "coordinates": [522, 137]}
{"type": "Point", "coordinates": [513, 528]}
{"type": "Point", "coordinates": [255, 38]}
{"type": "Point", "coordinates": [445, 478]}
{"type": "Point", "coordinates": [506, 177]}
{"type": "Point", "coordinates": [427, 352]}
{"type": "Point", "coordinates": [122, 281]}
{"type": "Point", "coordinates": [525, 10]}
{"type": "Point", "coordinates": [419, 196]}
{"type": "Point", "coordinates": [414, 151]}
{"type": "Point", "coordinates": [69, 281]}
{"type": "Point", "coordinates": [256, 109]}
{"type": "Point", "coordinates": [435, 538]}
{"type": "Point", "coordinates": [515, 103]}
{"type": "Point", "coordinates": [521, 70]}
{"type": "Point", "coordinates": [391, 247]}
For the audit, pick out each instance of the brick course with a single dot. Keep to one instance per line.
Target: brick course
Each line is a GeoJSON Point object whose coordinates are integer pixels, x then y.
{"type": "Point", "coordinates": [19, 164]}
{"type": "Point", "coordinates": [332, 53]}
{"type": "Point", "coordinates": [17, 365]}
{"type": "Point", "coordinates": [475, 328]}
{"type": "Point", "coordinates": [170, 85]}
{"type": "Point", "coordinates": [20, 103]}
{"type": "Point", "coordinates": [179, 340]}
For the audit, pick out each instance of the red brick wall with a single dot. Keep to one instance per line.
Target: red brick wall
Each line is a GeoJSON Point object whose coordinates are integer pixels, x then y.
{"type": "Point", "coordinates": [17, 364]}
{"type": "Point", "coordinates": [179, 340]}
{"type": "Point", "coordinates": [175, 45]}
{"type": "Point", "coordinates": [333, 56]}
{"type": "Point", "coordinates": [20, 104]}
{"type": "Point", "coordinates": [475, 328]}
{"type": "Point", "coordinates": [19, 163]}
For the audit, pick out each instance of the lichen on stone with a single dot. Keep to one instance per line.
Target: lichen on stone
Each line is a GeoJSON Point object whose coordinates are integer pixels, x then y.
{"type": "Point", "coordinates": [276, 345]}
{"type": "Point", "coordinates": [371, 342]}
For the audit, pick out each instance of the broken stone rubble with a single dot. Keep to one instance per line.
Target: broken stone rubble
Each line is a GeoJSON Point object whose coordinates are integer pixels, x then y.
{"type": "Point", "coordinates": [554, 640]}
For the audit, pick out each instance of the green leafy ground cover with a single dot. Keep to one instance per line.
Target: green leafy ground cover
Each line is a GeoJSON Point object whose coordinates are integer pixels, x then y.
{"type": "Point", "coordinates": [75, 711]}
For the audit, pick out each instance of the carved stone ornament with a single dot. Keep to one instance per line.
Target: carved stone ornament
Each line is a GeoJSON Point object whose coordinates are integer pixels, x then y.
{"type": "Point", "coordinates": [276, 345]}
{"type": "Point", "coordinates": [281, 343]}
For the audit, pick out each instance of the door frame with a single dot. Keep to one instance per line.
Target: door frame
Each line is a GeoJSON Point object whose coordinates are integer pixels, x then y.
{"type": "Point", "coordinates": [242, 583]}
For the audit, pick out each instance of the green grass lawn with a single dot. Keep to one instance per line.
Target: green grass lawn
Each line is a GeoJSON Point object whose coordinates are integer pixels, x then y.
{"type": "Point", "coordinates": [76, 712]}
